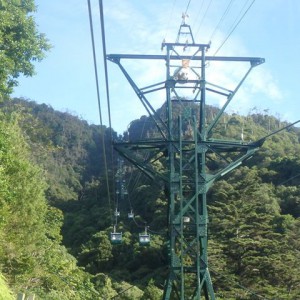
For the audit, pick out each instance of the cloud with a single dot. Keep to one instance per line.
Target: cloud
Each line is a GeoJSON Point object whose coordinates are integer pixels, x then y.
{"type": "Point", "coordinates": [262, 81]}
{"type": "Point", "coordinates": [140, 29]}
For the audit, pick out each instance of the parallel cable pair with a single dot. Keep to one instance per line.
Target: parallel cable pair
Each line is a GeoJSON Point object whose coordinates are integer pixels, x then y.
{"type": "Point", "coordinates": [98, 89]}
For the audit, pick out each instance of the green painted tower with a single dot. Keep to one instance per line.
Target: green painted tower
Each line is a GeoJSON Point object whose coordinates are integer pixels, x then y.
{"type": "Point", "coordinates": [184, 140]}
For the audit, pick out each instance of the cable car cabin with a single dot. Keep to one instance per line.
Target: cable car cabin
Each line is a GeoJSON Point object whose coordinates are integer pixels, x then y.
{"type": "Point", "coordinates": [116, 238]}
{"type": "Point", "coordinates": [130, 215]}
{"type": "Point", "coordinates": [144, 239]}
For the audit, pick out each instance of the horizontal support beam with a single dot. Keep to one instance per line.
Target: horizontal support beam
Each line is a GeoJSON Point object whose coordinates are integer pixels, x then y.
{"type": "Point", "coordinates": [252, 60]}
{"type": "Point", "coordinates": [222, 146]}
{"type": "Point", "coordinates": [186, 45]}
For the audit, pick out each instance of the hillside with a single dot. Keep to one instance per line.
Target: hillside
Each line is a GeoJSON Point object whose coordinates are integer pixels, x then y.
{"type": "Point", "coordinates": [254, 211]}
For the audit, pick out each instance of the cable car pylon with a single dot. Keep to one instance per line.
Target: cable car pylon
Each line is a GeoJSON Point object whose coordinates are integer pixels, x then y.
{"type": "Point", "coordinates": [187, 177]}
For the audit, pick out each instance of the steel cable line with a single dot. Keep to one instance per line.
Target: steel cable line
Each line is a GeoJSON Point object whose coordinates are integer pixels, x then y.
{"type": "Point", "coordinates": [95, 60]}
{"type": "Point", "coordinates": [221, 19]}
{"type": "Point", "coordinates": [235, 26]}
{"type": "Point", "coordinates": [99, 101]}
{"type": "Point", "coordinates": [289, 179]}
{"type": "Point", "coordinates": [71, 283]}
{"type": "Point", "coordinates": [205, 13]}
{"type": "Point", "coordinates": [253, 293]}
{"type": "Point", "coordinates": [70, 280]}
{"type": "Point", "coordinates": [103, 39]}
{"type": "Point", "coordinates": [140, 137]}
{"type": "Point", "coordinates": [135, 183]}
{"type": "Point", "coordinates": [123, 291]}
{"type": "Point", "coordinates": [136, 222]}
{"type": "Point", "coordinates": [169, 20]}
{"type": "Point", "coordinates": [198, 14]}
{"type": "Point", "coordinates": [184, 15]}
{"type": "Point", "coordinates": [105, 61]}
{"type": "Point", "coordinates": [187, 7]}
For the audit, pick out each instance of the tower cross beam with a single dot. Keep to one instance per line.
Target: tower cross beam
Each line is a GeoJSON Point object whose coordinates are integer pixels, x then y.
{"type": "Point", "coordinates": [255, 61]}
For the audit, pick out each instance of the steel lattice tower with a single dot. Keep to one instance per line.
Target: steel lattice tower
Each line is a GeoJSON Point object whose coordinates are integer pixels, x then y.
{"type": "Point", "coordinates": [186, 143]}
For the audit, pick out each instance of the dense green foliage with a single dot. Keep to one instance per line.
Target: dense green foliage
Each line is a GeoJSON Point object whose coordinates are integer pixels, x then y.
{"type": "Point", "coordinates": [254, 236]}
{"type": "Point", "coordinates": [5, 293]}
{"type": "Point", "coordinates": [20, 42]}
{"type": "Point", "coordinates": [32, 257]}
{"type": "Point", "coordinates": [68, 149]}
{"type": "Point", "coordinates": [254, 213]}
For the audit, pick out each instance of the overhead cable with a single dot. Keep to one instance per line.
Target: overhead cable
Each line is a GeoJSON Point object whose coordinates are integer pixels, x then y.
{"type": "Point", "coordinates": [95, 60]}
{"type": "Point", "coordinates": [203, 18]}
{"type": "Point", "coordinates": [253, 293]}
{"type": "Point", "coordinates": [198, 14]}
{"type": "Point", "coordinates": [169, 20]}
{"type": "Point", "coordinates": [235, 26]}
{"type": "Point", "coordinates": [106, 86]}
{"type": "Point", "coordinates": [99, 101]}
{"type": "Point", "coordinates": [289, 179]}
{"type": "Point", "coordinates": [221, 19]}
{"type": "Point", "coordinates": [105, 60]}
{"type": "Point", "coordinates": [187, 7]}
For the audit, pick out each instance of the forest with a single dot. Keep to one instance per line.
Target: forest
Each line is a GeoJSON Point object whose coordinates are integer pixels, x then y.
{"type": "Point", "coordinates": [58, 198]}
{"type": "Point", "coordinates": [56, 215]}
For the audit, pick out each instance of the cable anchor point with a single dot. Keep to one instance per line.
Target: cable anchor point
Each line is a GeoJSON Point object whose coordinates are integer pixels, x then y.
{"type": "Point", "coordinates": [185, 16]}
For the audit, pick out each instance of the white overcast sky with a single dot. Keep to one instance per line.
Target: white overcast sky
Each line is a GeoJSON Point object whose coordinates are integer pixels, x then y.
{"type": "Point", "coordinates": [65, 78]}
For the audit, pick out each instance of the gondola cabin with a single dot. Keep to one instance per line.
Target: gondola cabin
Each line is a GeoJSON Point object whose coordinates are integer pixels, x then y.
{"type": "Point", "coordinates": [130, 215]}
{"type": "Point", "coordinates": [116, 238]}
{"type": "Point", "coordinates": [144, 239]}
{"type": "Point", "coordinates": [186, 219]}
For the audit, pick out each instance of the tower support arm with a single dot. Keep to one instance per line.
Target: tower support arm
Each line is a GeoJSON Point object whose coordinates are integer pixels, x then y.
{"type": "Point", "coordinates": [161, 126]}
{"type": "Point", "coordinates": [262, 140]}
{"type": "Point", "coordinates": [254, 61]}
{"type": "Point", "coordinates": [229, 98]}
{"type": "Point", "coordinates": [233, 165]}
{"type": "Point", "coordinates": [140, 164]}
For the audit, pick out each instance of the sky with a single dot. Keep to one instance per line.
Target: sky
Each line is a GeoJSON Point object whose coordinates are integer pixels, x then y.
{"type": "Point", "coordinates": [65, 79]}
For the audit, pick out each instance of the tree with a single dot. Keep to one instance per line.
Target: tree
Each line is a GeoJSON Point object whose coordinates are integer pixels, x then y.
{"type": "Point", "coordinates": [254, 237]}
{"type": "Point", "coordinates": [20, 43]}
{"type": "Point", "coordinates": [152, 292]}
{"type": "Point", "coordinates": [5, 293]}
{"type": "Point", "coordinates": [31, 256]}
{"type": "Point", "coordinates": [96, 253]}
